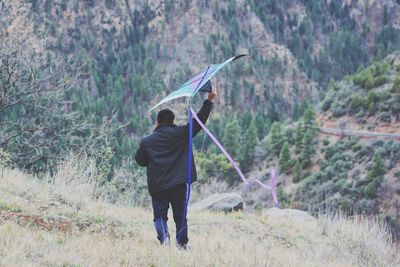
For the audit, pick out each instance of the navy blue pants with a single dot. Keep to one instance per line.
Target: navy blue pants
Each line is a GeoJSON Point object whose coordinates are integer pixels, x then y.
{"type": "Point", "coordinates": [175, 196]}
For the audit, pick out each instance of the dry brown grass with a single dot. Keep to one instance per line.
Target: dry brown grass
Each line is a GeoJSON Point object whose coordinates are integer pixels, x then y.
{"type": "Point", "coordinates": [100, 234]}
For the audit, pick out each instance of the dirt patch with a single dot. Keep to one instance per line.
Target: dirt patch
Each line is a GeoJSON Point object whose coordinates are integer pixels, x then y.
{"type": "Point", "coordinates": [66, 225]}
{"type": "Point", "coordinates": [37, 221]}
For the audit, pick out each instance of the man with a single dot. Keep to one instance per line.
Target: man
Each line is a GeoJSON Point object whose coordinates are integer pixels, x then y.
{"type": "Point", "coordinates": [165, 154]}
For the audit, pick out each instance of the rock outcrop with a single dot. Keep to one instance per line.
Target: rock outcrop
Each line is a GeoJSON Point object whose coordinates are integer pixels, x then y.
{"type": "Point", "coordinates": [226, 202]}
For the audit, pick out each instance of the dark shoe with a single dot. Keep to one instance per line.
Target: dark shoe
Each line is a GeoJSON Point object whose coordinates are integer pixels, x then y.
{"type": "Point", "coordinates": [162, 230]}
{"type": "Point", "coordinates": [165, 242]}
{"type": "Point", "coordinates": [183, 247]}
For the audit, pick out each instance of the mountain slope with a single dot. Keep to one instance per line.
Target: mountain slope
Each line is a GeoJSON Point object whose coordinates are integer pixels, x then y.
{"type": "Point", "coordinates": [135, 52]}
{"type": "Point", "coordinates": [351, 173]}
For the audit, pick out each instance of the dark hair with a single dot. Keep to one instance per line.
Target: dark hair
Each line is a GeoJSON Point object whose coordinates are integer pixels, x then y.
{"type": "Point", "coordinates": [165, 116]}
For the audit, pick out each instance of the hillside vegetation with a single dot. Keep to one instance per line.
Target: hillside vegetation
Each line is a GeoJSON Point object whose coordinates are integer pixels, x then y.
{"type": "Point", "coordinates": [371, 97]}
{"type": "Point", "coordinates": [355, 175]}
{"type": "Point", "coordinates": [54, 225]}
{"type": "Point", "coordinates": [131, 53]}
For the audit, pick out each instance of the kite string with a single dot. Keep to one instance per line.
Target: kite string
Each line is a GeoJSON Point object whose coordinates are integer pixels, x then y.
{"type": "Point", "coordinates": [190, 159]}
{"type": "Point", "coordinates": [234, 163]}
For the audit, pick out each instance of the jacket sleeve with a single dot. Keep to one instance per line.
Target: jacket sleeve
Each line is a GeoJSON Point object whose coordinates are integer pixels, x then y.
{"type": "Point", "coordinates": [203, 115]}
{"type": "Point", "coordinates": [141, 156]}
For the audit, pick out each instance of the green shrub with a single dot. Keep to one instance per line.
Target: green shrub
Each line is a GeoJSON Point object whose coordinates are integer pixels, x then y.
{"type": "Point", "coordinates": [375, 82]}
{"type": "Point", "coordinates": [356, 147]}
{"type": "Point", "coordinates": [394, 106]}
{"type": "Point", "coordinates": [384, 105]}
{"type": "Point", "coordinates": [372, 108]}
{"type": "Point", "coordinates": [334, 86]}
{"type": "Point", "coordinates": [327, 187]}
{"type": "Point", "coordinates": [371, 77]}
{"type": "Point", "coordinates": [391, 146]}
{"type": "Point", "coordinates": [374, 177]}
{"type": "Point", "coordinates": [342, 167]}
{"type": "Point", "coordinates": [385, 117]}
{"type": "Point", "coordinates": [396, 85]}
{"type": "Point", "coordinates": [372, 98]}
{"type": "Point", "coordinates": [370, 189]}
{"type": "Point", "coordinates": [372, 102]}
{"type": "Point", "coordinates": [380, 152]}
{"type": "Point", "coordinates": [326, 105]}
{"type": "Point", "coordinates": [351, 141]}
{"type": "Point", "coordinates": [360, 114]}
{"type": "Point", "coordinates": [364, 151]}
{"type": "Point", "coordinates": [338, 109]}
{"type": "Point", "coordinates": [5, 158]}
{"type": "Point", "coordinates": [345, 203]}
{"type": "Point", "coordinates": [360, 79]}
{"type": "Point", "coordinates": [308, 185]}
{"type": "Point", "coordinates": [297, 172]}
{"type": "Point", "coordinates": [365, 206]}
{"type": "Point", "coordinates": [282, 196]}
{"type": "Point", "coordinates": [285, 161]}
{"type": "Point", "coordinates": [356, 103]}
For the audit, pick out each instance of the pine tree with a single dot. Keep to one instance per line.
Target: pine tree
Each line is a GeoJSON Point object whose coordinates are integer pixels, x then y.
{"type": "Point", "coordinates": [308, 149]}
{"type": "Point", "coordinates": [285, 162]}
{"type": "Point", "coordinates": [374, 177]}
{"type": "Point", "coordinates": [249, 143]}
{"type": "Point", "coordinates": [299, 137]}
{"type": "Point", "coordinates": [377, 170]}
{"type": "Point", "coordinates": [275, 138]}
{"type": "Point", "coordinates": [245, 119]}
{"type": "Point", "coordinates": [231, 138]}
{"type": "Point", "coordinates": [262, 124]}
{"type": "Point", "coordinates": [309, 119]}
{"type": "Point", "coordinates": [297, 172]}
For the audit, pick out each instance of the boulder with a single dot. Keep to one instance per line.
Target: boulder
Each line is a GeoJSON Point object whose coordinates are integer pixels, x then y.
{"type": "Point", "coordinates": [226, 202]}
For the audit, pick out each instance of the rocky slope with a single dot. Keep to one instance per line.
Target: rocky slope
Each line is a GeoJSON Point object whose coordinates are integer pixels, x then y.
{"type": "Point", "coordinates": [188, 35]}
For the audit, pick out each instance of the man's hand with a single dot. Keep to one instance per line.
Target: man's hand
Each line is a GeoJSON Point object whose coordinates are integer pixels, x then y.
{"type": "Point", "coordinates": [212, 95]}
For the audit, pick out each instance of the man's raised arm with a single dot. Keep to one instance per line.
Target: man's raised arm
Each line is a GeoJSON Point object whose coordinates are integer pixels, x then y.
{"type": "Point", "coordinates": [203, 115]}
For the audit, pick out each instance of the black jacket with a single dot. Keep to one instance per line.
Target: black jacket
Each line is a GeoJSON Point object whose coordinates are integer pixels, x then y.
{"type": "Point", "coordinates": [165, 153]}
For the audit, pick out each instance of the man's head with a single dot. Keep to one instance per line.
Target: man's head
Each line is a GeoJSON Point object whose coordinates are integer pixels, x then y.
{"type": "Point", "coordinates": [165, 116]}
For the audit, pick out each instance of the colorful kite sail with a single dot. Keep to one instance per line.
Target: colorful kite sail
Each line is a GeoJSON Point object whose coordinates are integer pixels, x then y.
{"type": "Point", "coordinates": [191, 87]}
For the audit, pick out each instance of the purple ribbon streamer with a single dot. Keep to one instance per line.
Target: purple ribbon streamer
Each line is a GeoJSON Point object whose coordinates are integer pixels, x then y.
{"type": "Point", "coordinates": [235, 165]}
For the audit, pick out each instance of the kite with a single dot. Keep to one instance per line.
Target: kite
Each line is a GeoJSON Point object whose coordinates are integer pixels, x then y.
{"type": "Point", "coordinates": [201, 82]}
{"type": "Point", "coordinates": [197, 83]}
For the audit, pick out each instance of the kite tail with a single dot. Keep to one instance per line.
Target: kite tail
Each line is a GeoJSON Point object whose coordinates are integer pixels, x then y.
{"type": "Point", "coordinates": [234, 163]}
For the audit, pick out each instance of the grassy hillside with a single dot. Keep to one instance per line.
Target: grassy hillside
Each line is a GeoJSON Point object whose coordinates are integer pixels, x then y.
{"type": "Point", "coordinates": [42, 224]}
